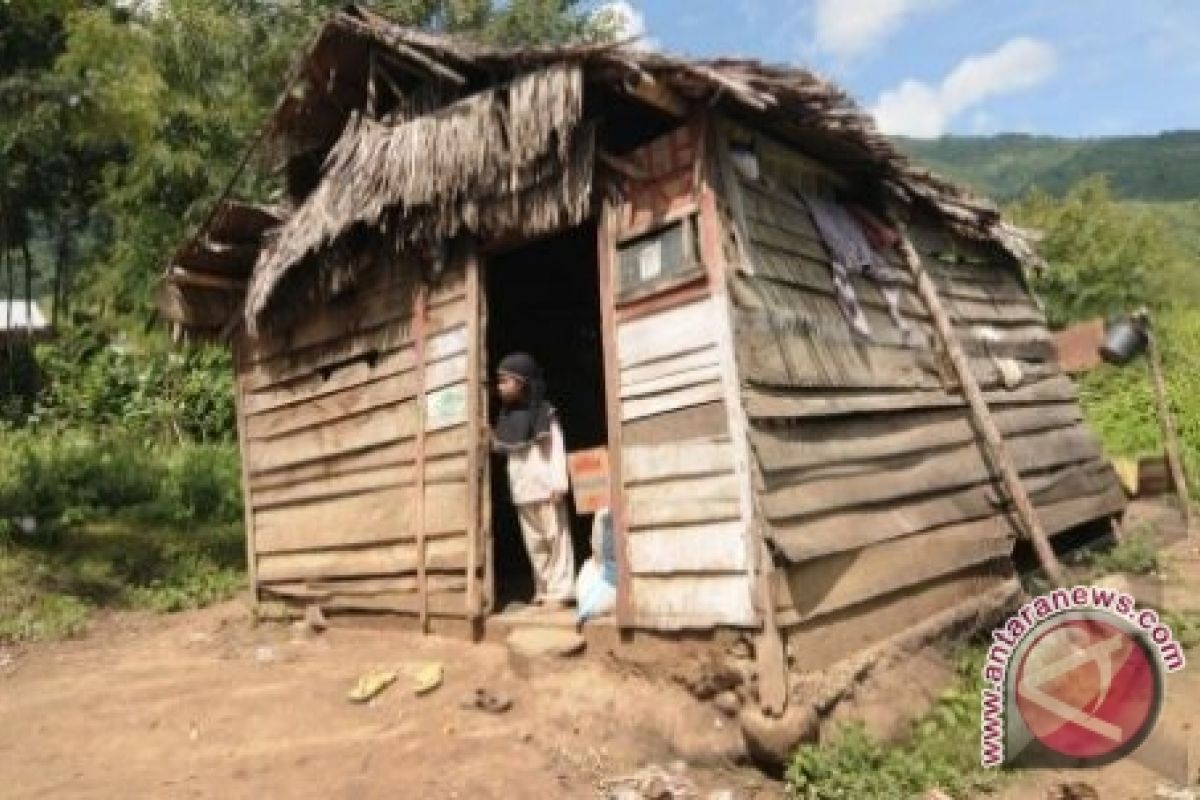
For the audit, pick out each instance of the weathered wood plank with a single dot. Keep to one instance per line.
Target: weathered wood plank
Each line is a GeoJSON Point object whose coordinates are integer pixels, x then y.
{"type": "Point", "coordinates": [370, 429]}
{"type": "Point", "coordinates": [697, 422]}
{"type": "Point", "coordinates": [823, 640]}
{"type": "Point", "coordinates": [330, 408]}
{"type": "Point", "coordinates": [1060, 517]}
{"type": "Point", "coordinates": [679, 330]}
{"type": "Point", "coordinates": [683, 502]}
{"type": "Point", "coordinates": [358, 341]}
{"type": "Point", "coordinates": [383, 297]}
{"type": "Point", "coordinates": [450, 469]}
{"type": "Point", "coordinates": [443, 443]}
{"type": "Point", "coordinates": [693, 457]}
{"type": "Point", "coordinates": [817, 443]}
{"type": "Point", "coordinates": [444, 552]}
{"type": "Point", "coordinates": [955, 467]}
{"type": "Point", "coordinates": [703, 356]}
{"type": "Point", "coordinates": [670, 383]}
{"type": "Point", "coordinates": [764, 403]}
{"type": "Point", "coordinates": [697, 548]}
{"type": "Point", "coordinates": [650, 405]}
{"type": "Point", "coordinates": [380, 516]}
{"type": "Point", "coordinates": [317, 589]}
{"type": "Point", "coordinates": [443, 604]}
{"type": "Point", "coordinates": [314, 384]}
{"type": "Point", "coordinates": [823, 585]}
{"type": "Point", "coordinates": [851, 528]}
{"type": "Point", "coordinates": [679, 602]}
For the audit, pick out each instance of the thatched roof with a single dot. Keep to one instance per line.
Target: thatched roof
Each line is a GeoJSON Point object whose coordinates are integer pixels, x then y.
{"type": "Point", "coordinates": [492, 140]}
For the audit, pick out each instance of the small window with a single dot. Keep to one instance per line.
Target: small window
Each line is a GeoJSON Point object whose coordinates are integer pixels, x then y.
{"type": "Point", "coordinates": [659, 259]}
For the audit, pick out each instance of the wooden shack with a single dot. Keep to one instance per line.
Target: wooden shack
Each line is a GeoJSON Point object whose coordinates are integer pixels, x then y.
{"type": "Point", "coordinates": [643, 224]}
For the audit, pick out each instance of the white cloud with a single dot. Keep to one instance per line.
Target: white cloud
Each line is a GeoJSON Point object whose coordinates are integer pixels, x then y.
{"type": "Point", "coordinates": [915, 108]}
{"type": "Point", "coordinates": [849, 28]}
{"type": "Point", "coordinates": [627, 22]}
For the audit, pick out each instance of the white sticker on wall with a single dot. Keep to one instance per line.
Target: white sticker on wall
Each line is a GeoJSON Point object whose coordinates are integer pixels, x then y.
{"type": "Point", "coordinates": [446, 407]}
{"type": "Point", "coordinates": [650, 261]}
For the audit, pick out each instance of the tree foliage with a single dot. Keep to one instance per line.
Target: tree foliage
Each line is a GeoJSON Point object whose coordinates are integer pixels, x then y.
{"type": "Point", "coordinates": [122, 121]}
{"type": "Point", "coordinates": [1105, 258]}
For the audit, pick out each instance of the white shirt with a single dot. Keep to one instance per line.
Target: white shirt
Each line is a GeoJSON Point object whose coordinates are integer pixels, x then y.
{"type": "Point", "coordinates": [538, 471]}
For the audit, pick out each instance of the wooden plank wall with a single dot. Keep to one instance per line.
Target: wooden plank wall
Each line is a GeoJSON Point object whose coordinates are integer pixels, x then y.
{"type": "Point", "coordinates": [869, 476]}
{"type": "Point", "coordinates": [687, 542]}
{"type": "Point", "coordinates": [330, 427]}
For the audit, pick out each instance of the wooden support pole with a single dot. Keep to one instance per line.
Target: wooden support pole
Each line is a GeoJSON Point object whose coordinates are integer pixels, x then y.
{"type": "Point", "coordinates": [418, 329]}
{"type": "Point", "coordinates": [997, 450]}
{"type": "Point", "coordinates": [606, 255]}
{"type": "Point", "coordinates": [243, 457]}
{"type": "Point", "coordinates": [769, 652]}
{"type": "Point", "coordinates": [476, 440]}
{"type": "Point", "coordinates": [1167, 420]}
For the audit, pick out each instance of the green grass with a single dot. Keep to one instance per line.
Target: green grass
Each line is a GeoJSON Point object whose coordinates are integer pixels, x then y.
{"type": "Point", "coordinates": [941, 751]}
{"type": "Point", "coordinates": [1135, 554]}
{"type": "Point", "coordinates": [48, 589]}
{"type": "Point", "coordinates": [1185, 625]}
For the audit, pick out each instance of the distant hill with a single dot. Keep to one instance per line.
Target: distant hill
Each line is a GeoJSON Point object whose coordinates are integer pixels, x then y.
{"type": "Point", "coordinates": [1162, 167]}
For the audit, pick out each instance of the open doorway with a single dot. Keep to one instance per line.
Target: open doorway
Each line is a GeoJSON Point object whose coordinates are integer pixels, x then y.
{"type": "Point", "coordinates": [543, 298]}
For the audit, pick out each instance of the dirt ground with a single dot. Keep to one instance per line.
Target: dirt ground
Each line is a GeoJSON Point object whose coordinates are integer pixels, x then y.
{"type": "Point", "coordinates": [206, 704]}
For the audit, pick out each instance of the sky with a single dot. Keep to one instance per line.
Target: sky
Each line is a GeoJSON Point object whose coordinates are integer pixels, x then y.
{"type": "Point", "coordinates": [931, 67]}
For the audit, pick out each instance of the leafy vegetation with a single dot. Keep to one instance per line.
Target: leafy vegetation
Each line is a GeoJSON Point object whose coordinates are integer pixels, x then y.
{"type": "Point", "coordinates": [1135, 554]}
{"type": "Point", "coordinates": [941, 751]}
{"type": "Point", "coordinates": [120, 124]}
{"type": "Point", "coordinates": [49, 589]}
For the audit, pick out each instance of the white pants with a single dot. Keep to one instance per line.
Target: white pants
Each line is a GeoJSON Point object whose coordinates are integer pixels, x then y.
{"type": "Point", "coordinates": [547, 534]}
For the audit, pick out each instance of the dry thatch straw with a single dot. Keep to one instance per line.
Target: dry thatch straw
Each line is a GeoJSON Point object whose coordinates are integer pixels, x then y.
{"type": "Point", "coordinates": [509, 159]}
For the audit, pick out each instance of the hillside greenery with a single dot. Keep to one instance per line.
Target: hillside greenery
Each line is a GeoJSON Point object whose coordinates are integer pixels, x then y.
{"type": "Point", "coordinates": [1162, 167]}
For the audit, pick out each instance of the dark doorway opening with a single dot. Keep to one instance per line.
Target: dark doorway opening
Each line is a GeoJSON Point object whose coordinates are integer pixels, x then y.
{"type": "Point", "coordinates": [543, 298]}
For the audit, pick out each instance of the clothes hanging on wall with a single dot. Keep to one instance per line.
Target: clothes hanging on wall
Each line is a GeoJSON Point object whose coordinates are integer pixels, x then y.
{"type": "Point", "coordinates": [851, 252]}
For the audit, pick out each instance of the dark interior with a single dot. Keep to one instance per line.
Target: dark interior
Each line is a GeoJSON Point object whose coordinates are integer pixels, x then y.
{"type": "Point", "coordinates": [543, 298]}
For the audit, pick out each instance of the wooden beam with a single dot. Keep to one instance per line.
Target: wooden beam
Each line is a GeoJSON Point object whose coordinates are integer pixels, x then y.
{"type": "Point", "coordinates": [418, 317]}
{"type": "Point", "coordinates": [996, 449]}
{"type": "Point", "coordinates": [205, 280]}
{"type": "Point", "coordinates": [247, 499]}
{"type": "Point", "coordinates": [476, 441]}
{"type": "Point", "coordinates": [606, 253]}
{"type": "Point", "coordinates": [622, 166]}
{"type": "Point", "coordinates": [642, 86]}
{"type": "Point", "coordinates": [1167, 421]}
{"type": "Point", "coordinates": [770, 657]}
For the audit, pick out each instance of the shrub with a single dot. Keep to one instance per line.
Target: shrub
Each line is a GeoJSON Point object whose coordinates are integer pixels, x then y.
{"type": "Point", "coordinates": [203, 484]}
{"type": "Point", "coordinates": [59, 480]}
{"type": "Point", "coordinates": [1135, 554]}
{"type": "Point", "coordinates": [1118, 402]}
{"type": "Point", "coordinates": [75, 477]}
{"type": "Point", "coordinates": [942, 751]}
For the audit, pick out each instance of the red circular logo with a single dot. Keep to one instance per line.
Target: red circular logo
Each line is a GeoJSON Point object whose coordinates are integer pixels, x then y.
{"type": "Point", "coordinates": [1087, 688]}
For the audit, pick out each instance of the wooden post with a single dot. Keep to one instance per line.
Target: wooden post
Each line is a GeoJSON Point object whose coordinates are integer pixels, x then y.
{"type": "Point", "coordinates": [418, 328]}
{"type": "Point", "coordinates": [1167, 420]}
{"type": "Point", "coordinates": [769, 652]}
{"type": "Point", "coordinates": [998, 452]}
{"type": "Point", "coordinates": [243, 456]}
{"type": "Point", "coordinates": [475, 434]}
{"type": "Point", "coordinates": [605, 254]}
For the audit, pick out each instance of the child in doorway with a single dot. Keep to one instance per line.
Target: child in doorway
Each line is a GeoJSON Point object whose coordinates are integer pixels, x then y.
{"type": "Point", "coordinates": [528, 433]}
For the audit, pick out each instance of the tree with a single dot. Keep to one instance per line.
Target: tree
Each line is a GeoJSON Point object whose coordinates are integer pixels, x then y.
{"type": "Point", "coordinates": [1104, 258]}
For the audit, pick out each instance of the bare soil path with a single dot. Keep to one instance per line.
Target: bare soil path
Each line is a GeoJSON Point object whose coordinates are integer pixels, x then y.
{"type": "Point", "coordinates": [206, 704]}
